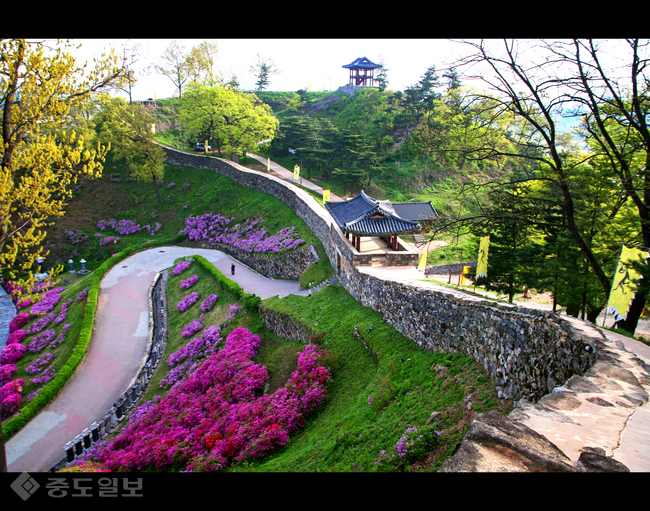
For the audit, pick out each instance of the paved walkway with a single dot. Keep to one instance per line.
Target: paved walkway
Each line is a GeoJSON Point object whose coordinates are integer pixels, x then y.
{"type": "Point", "coordinates": [287, 175]}
{"type": "Point", "coordinates": [117, 352]}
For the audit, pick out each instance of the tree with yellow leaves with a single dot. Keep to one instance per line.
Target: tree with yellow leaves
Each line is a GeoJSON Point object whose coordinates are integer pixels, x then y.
{"type": "Point", "coordinates": [41, 154]}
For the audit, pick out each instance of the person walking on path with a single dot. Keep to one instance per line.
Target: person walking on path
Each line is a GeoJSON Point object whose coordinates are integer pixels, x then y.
{"type": "Point", "coordinates": [232, 269]}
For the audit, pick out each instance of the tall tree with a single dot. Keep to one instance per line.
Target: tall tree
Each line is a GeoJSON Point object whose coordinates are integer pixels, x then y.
{"type": "Point", "coordinates": [174, 64]}
{"type": "Point", "coordinates": [41, 154]}
{"type": "Point", "coordinates": [263, 69]}
{"type": "Point", "coordinates": [234, 121]}
{"type": "Point", "coordinates": [128, 129]}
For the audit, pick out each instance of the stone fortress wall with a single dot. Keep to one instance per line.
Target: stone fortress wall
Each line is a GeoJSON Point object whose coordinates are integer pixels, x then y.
{"type": "Point", "coordinates": [526, 352]}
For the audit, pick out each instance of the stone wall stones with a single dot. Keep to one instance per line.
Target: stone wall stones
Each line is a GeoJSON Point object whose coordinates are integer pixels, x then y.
{"type": "Point", "coordinates": [526, 353]}
{"type": "Point", "coordinates": [285, 326]}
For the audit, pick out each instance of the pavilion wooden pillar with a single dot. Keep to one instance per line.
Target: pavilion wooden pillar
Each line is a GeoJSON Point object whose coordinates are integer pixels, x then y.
{"type": "Point", "coordinates": [358, 243]}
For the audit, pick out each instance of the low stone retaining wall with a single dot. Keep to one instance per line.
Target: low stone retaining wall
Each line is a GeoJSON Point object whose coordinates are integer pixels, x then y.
{"type": "Point", "coordinates": [444, 269]}
{"type": "Point", "coordinates": [285, 266]}
{"type": "Point", "coordinates": [284, 326]}
{"type": "Point", "coordinates": [525, 353]}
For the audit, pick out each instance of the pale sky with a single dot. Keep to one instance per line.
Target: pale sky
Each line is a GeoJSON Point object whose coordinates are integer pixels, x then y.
{"type": "Point", "coordinates": [305, 63]}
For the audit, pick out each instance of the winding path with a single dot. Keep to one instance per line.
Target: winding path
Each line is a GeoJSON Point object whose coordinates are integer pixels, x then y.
{"type": "Point", "coordinates": [117, 352]}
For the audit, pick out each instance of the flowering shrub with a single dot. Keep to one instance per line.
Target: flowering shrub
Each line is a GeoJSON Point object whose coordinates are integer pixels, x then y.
{"type": "Point", "coordinates": [64, 311]}
{"type": "Point", "coordinates": [109, 240]}
{"type": "Point", "coordinates": [188, 301]}
{"type": "Point", "coordinates": [38, 364]}
{"type": "Point", "coordinates": [16, 336]}
{"type": "Point", "coordinates": [41, 340]}
{"type": "Point", "coordinates": [12, 353]}
{"type": "Point", "coordinates": [47, 303]}
{"type": "Point", "coordinates": [214, 228]}
{"type": "Point", "coordinates": [126, 227]}
{"type": "Point", "coordinates": [82, 295]}
{"type": "Point", "coordinates": [7, 372]}
{"type": "Point", "coordinates": [61, 337]}
{"type": "Point", "coordinates": [193, 327]}
{"type": "Point", "coordinates": [181, 267]}
{"type": "Point", "coordinates": [233, 310]}
{"type": "Point", "coordinates": [103, 224]}
{"type": "Point", "coordinates": [23, 304]}
{"type": "Point", "coordinates": [41, 323]}
{"type": "Point", "coordinates": [208, 303]}
{"type": "Point", "coordinates": [188, 283]}
{"type": "Point", "coordinates": [18, 321]}
{"type": "Point", "coordinates": [213, 418]}
{"type": "Point", "coordinates": [170, 185]}
{"type": "Point", "coordinates": [44, 377]}
{"type": "Point", "coordinates": [76, 237]}
{"type": "Point", "coordinates": [412, 445]}
{"type": "Point", "coordinates": [10, 394]}
{"type": "Point", "coordinates": [153, 230]}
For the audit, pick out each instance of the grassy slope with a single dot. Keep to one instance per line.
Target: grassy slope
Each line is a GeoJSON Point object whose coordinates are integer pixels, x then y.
{"type": "Point", "coordinates": [404, 381]}
{"type": "Point", "coordinates": [348, 433]}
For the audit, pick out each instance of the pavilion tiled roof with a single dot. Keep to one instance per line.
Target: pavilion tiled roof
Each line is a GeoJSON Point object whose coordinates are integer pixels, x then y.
{"type": "Point", "coordinates": [361, 63]}
{"type": "Point", "coordinates": [366, 216]}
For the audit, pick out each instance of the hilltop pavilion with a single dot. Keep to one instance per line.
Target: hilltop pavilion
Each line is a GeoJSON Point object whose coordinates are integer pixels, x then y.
{"type": "Point", "coordinates": [361, 72]}
{"type": "Point", "coordinates": [364, 216]}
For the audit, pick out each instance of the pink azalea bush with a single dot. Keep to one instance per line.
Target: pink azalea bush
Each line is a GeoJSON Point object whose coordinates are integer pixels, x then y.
{"type": "Point", "coordinates": [18, 321]}
{"type": "Point", "coordinates": [214, 419]}
{"type": "Point", "coordinates": [10, 394]}
{"type": "Point", "coordinates": [12, 353]}
{"type": "Point", "coordinates": [16, 336]}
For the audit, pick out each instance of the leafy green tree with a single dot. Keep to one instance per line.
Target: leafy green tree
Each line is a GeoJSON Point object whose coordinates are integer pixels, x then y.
{"type": "Point", "coordinates": [231, 120]}
{"type": "Point", "coordinates": [128, 129]}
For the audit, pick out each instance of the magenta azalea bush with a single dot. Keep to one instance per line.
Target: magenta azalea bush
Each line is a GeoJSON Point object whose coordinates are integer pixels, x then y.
{"type": "Point", "coordinates": [214, 419]}
{"type": "Point", "coordinates": [48, 301]}
{"type": "Point", "coordinates": [190, 329]}
{"type": "Point", "coordinates": [213, 227]}
{"type": "Point", "coordinates": [187, 301]}
{"type": "Point", "coordinates": [188, 283]}
{"type": "Point", "coordinates": [10, 394]}
{"type": "Point", "coordinates": [12, 353]}
{"type": "Point", "coordinates": [181, 267]}
{"type": "Point", "coordinates": [18, 321]}
{"type": "Point", "coordinates": [208, 303]}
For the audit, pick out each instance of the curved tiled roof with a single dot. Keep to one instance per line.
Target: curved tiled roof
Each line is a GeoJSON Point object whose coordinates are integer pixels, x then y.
{"type": "Point", "coordinates": [369, 217]}
{"type": "Point", "coordinates": [361, 63]}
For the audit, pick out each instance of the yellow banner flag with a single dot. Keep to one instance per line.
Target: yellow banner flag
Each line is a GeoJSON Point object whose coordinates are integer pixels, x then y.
{"type": "Point", "coordinates": [624, 284]}
{"type": "Point", "coordinates": [268, 164]}
{"type": "Point", "coordinates": [423, 260]}
{"type": "Point", "coordinates": [326, 195]}
{"type": "Point", "coordinates": [296, 174]}
{"type": "Point", "coordinates": [482, 264]}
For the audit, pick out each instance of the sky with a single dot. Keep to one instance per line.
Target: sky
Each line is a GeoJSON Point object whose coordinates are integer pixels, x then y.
{"type": "Point", "coordinates": [314, 64]}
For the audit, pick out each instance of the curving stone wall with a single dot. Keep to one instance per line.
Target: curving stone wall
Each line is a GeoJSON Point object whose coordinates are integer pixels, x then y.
{"type": "Point", "coordinates": [527, 353]}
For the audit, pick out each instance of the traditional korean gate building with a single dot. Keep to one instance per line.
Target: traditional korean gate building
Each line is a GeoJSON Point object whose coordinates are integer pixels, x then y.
{"type": "Point", "coordinates": [363, 216]}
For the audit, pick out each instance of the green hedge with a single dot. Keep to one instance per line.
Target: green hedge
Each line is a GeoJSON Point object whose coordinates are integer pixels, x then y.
{"type": "Point", "coordinates": [52, 389]}
{"type": "Point", "coordinates": [251, 302]}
